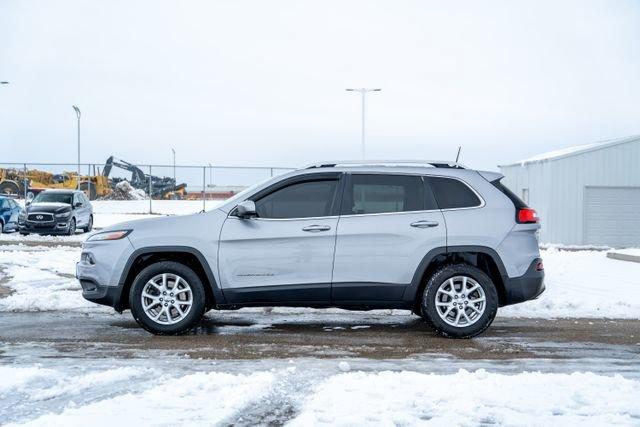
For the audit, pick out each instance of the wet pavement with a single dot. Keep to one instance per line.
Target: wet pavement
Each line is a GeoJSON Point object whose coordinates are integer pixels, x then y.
{"type": "Point", "coordinates": [82, 356]}
{"type": "Point", "coordinates": [319, 334]}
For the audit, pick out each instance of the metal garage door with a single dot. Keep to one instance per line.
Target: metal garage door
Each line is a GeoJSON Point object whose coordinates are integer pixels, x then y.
{"type": "Point", "coordinates": [612, 216]}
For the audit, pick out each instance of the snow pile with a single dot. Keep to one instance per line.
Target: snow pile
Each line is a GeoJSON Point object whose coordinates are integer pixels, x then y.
{"type": "Point", "coordinates": [125, 191]}
{"type": "Point", "coordinates": [39, 383]}
{"type": "Point", "coordinates": [15, 379]}
{"type": "Point", "coordinates": [584, 284]}
{"type": "Point", "coordinates": [472, 398]}
{"type": "Point", "coordinates": [628, 251]}
{"type": "Point", "coordinates": [196, 399]}
{"type": "Point", "coordinates": [43, 279]}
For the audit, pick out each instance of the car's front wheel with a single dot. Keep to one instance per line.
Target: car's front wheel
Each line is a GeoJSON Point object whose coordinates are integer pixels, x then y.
{"type": "Point", "coordinates": [72, 227]}
{"type": "Point", "coordinates": [459, 301]}
{"type": "Point", "coordinates": [89, 226]}
{"type": "Point", "coordinates": [167, 298]}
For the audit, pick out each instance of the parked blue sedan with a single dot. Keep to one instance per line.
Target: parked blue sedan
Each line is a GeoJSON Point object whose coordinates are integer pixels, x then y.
{"type": "Point", "coordinates": [9, 211]}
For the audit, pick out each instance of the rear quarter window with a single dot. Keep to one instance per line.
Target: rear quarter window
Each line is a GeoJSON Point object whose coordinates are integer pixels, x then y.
{"type": "Point", "coordinates": [517, 201]}
{"type": "Point", "coordinates": [451, 193]}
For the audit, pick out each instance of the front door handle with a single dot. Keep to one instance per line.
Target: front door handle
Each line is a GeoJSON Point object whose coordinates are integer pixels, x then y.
{"type": "Point", "coordinates": [424, 224]}
{"type": "Point", "coordinates": [316, 228]}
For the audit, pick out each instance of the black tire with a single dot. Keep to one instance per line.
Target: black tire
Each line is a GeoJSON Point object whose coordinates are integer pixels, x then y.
{"type": "Point", "coordinates": [72, 227]}
{"type": "Point", "coordinates": [428, 304]}
{"type": "Point", "coordinates": [24, 234]}
{"type": "Point", "coordinates": [192, 317]}
{"type": "Point", "coordinates": [89, 189]}
{"type": "Point", "coordinates": [9, 187]}
{"type": "Point", "coordinates": [89, 226]}
{"type": "Point", "coordinates": [1, 227]}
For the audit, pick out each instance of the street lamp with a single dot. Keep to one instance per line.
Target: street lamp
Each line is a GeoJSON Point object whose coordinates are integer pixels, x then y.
{"type": "Point", "coordinates": [174, 166]}
{"type": "Point", "coordinates": [77, 110]}
{"type": "Point", "coordinates": [363, 91]}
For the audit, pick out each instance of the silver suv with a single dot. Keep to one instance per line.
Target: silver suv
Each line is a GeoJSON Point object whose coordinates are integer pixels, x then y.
{"type": "Point", "coordinates": [449, 243]}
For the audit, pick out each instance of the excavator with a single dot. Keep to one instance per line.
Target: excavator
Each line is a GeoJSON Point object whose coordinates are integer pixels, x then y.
{"type": "Point", "coordinates": [161, 187]}
{"type": "Point", "coordinates": [14, 182]}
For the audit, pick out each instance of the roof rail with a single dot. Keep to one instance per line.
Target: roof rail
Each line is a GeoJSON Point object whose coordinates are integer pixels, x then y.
{"type": "Point", "coordinates": [388, 163]}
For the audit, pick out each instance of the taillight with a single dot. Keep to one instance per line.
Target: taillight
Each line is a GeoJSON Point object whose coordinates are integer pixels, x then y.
{"type": "Point", "coordinates": [539, 266]}
{"type": "Point", "coordinates": [527, 216]}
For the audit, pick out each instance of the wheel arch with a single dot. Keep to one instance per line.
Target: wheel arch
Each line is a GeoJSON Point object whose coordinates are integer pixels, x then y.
{"type": "Point", "coordinates": [186, 255]}
{"type": "Point", "coordinates": [481, 257]}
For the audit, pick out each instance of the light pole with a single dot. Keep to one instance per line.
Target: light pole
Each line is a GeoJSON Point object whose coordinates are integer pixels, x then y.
{"type": "Point", "coordinates": [77, 110]}
{"type": "Point", "coordinates": [363, 91]}
{"type": "Point", "coordinates": [174, 166]}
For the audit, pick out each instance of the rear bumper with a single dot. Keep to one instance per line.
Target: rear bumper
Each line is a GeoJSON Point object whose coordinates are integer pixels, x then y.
{"type": "Point", "coordinates": [526, 287]}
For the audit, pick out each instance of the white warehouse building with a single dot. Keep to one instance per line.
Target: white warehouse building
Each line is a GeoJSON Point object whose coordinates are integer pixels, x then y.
{"type": "Point", "coordinates": [585, 195]}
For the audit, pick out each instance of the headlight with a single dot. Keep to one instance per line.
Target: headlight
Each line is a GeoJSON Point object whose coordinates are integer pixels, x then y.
{"type": "Point", "coordinates": [109, 235]}
{"type": "Point", "coordinates": [63, 214]}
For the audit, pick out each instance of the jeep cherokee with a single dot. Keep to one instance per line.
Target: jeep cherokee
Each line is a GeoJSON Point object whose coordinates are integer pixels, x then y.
{"type": "Point", "coordinates": [449, 243]}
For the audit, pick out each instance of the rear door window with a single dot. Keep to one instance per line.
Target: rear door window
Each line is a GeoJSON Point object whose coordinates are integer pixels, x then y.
{"type": "Point", "coordinates": [378, 193]}
{"type": "Point", "coordinates": [451, 193]}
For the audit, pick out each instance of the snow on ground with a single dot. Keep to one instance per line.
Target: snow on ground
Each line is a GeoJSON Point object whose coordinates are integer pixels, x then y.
{"type": "Point", "coordinates": [42, 279]}
{"type": "Point", "coordinates": [578, 284]}
{"type": "Point", "coordinates": [106, 397]}
{"type": "Point", "coordinates": [584, 284]}
{"type": "Point", "coordinates": [628, 251]}
{"type": "Point", "coordinates": [471, 398]}
{"type": "Point", "coordinates": [110, 212]}
{"type": "Point", "coordinates": [192, 392]}
{"type": "Point", "coordinates": [164, 207]}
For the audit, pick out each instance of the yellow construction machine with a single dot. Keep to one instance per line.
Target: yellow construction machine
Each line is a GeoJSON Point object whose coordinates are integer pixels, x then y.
{"type": "Point", "coordinates": [18, 182]}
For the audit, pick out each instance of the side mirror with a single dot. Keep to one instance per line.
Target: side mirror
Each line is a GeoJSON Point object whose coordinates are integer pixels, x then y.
{"type": "Point", "coordinates": [246, 209]}
{"type": "Point", "coordinates": [77, 204]}
{"type": "Point", "coordinates": [27, 202]}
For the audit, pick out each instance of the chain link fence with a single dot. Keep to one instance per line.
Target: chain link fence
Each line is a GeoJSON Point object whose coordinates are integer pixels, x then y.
{"type": "Point", "coordinates": [117, 180]}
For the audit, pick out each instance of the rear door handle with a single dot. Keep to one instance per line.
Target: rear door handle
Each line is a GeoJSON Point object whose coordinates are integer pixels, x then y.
{"type": "Point", "coordinates": [316, 228]}
{"type": "Point", "coordinates": [424, 224]}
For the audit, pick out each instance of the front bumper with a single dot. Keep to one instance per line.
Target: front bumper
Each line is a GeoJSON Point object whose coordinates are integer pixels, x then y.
{"type": "Point", "coordinates": [100, 294]}
{"type": "Point", "coordinates": [526, 287]}
{"type": "Point", "coordinates": [49, 227]}
{"type": "Point", "coordinates": [99, 271]}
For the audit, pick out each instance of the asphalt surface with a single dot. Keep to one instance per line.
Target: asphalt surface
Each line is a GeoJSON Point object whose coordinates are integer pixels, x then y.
{"type": "Point", "coordinates": [259, 335]}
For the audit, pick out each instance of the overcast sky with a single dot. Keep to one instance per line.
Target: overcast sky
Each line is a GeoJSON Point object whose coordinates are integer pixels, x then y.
{"type": "Point", "coordinates": [262, 82]}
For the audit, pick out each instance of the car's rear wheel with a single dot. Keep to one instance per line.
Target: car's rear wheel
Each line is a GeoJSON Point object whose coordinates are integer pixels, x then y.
{"type": "Point", "coordinates": [459, 301]}
{"type": "Point", "coordinates": [167, 298]}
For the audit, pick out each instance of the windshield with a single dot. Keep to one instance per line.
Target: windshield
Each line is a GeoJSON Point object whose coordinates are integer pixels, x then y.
{"type": "Point", "coordinates": [53, 198]}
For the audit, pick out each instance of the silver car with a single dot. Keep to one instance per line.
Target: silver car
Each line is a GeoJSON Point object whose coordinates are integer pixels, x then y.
{"type": "Point", "coordinates": [449, 243]}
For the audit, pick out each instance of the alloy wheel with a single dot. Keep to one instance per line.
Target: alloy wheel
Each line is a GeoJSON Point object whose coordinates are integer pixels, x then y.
{"type": "Point", "coordinates": [460, 301]}
{"type": "Point", "coordinates": [167, 298]}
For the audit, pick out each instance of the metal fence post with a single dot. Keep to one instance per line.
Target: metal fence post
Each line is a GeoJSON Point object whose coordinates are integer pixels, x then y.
{"type": "Point", "coordinates": [25, 182]}
{"type": "Point", "coordinates": [204, 188]}
{"type": "Point", "coordinates": [150, 191]}
{"type": "Point", "coordinates": [271, 172]}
